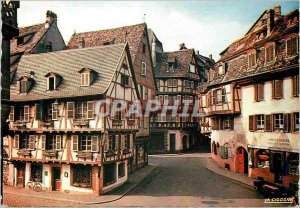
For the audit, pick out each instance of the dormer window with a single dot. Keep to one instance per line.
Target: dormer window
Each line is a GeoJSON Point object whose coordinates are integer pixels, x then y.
{"type": "Point", "coordinates": [24, 84]}
{"type": "Point", "coordinates": [252, 59]}
{"type": "Point", "coordinates": [85, 79]}
{"type": "Point", "coordinates": [270, 52]}
{"type": "Point", "coordinates": [52, 80]}
{"type": "Point", "coordinates": [86, 76]}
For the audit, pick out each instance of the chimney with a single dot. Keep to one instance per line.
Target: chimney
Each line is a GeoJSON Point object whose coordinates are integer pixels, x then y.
{"type": "Point", "coordinates": [210, 56]}
{"type": "Point", "coordinates": [270, 22]}
{"type": "Point", "coordinates": [277, 10]}
{"type": "Point", "coordinates": [182, 46]}
{"type": "Point", "coordinates": [81, 44]}
{"type": "Point", "coordinates": [50, 17]}
{"type": "Point", "coordinates": [153, 52]}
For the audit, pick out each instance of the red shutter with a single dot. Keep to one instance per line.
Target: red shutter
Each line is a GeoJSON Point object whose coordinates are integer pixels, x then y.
{"type": "Point", "coordinates": [254, 123]}
{"type": "Point", "coordinates": [251, 128]}
{"type": "Point", "coordinates": [286, 123]}
{"type": "Point", "coordinates": [255, 92]}
{"type": "Point", "coordinates": [278, 88]}
{"type": "Point", "coordinates": [268, 123]}
{"type": "Point", "coordinates": [292, 122]}
{"type": "Point", "coordinates": [295, 86]}
{"type": "Point", "coordinates": [260, 92]}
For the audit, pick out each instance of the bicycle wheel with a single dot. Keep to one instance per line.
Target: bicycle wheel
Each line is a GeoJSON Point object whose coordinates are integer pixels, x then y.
{"type": "Point", "coordinates": [37, 187]}
{"type": "Point", "coordinates": [29, 184]}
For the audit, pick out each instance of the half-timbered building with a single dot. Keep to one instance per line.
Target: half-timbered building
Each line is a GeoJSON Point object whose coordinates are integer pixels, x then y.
{"type": "Point", "coordinates": [177, 77]}
{"type": "Point", "coordinates": [251, 101]}
{"type": "Point", "coordinates": [61, 134]}
{"type": "Point", "coordinates": [137, 38]}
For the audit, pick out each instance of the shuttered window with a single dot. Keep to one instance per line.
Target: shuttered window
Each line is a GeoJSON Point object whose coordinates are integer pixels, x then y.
{"type": "Point", "coordinates": [11, 116]}
{"type": "Point", "coordinates": [292, 46]}
{"type": "Point", "coordinates": [70, 110]}
{"type": "Point", "coordinates": [270, 53]}
{"type": "Point", "coordinates": [75, 142]}
{"type": "Point", "coordinates": [278, 121]}
{"type": "Point", "coordinates": [38, 112]}
{"type": "Point", "coordinates": [295, 121]}
{"type": "Point", "coordinates": [252, 60]}
{"type": "Point", "coordinates": [268, 123]}
{"type": "Point", "coordinates": [43, 142]}
{"type": "Point", "coordinates": [54, 111]}
{"type": "Point", "coordinates": [90, 110]}
{"type": "Point", "coordinates": [295, 86]}
{"type": "Point", "coordinates": [277, 89]}
{"type": "Point", "coordinates": [117, 142]}
{"type": "Point", "coordinates": [26, 113]}
{"type": "Point", "coordinates": [95, 146]}
{"type": "Point", "coordinates": [259, 92]}
{"type": "Point", "coordinates": [251, 122]}
{"type": "Point", "coordinates": [286, 122]}
{"type": "Point", "coordinates": [32, 142]}
{"type": "Point", "coordinates": [260, 122]}
{"type": "Point", "coordinates": [58, 142]}
{"type": "Point", "coordinates": [16, 141]}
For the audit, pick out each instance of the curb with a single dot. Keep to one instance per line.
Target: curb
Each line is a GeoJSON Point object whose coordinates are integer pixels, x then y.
{"type": "Point", "coordinates": [151, 173]}
{"type": "Point", "coordinates": [224, 175]}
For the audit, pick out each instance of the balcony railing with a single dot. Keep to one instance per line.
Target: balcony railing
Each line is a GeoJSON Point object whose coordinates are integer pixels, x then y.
{"type": "Point", "coordinates": [24, 152]}
{"type": "Point", "coordinates": [113, 155]}
{"type": "Point", "coordinates": [81, 122]}
{"type": "Point", "coordinates": [50, 153]}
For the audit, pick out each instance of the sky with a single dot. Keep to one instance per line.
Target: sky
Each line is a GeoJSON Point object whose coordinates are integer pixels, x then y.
{"type": "Point", "coordinates": [207, 26]}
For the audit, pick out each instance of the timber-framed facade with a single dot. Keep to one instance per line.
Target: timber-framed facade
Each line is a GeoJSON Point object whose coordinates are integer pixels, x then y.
{"type": "Point", "coordinates": [60, 133]}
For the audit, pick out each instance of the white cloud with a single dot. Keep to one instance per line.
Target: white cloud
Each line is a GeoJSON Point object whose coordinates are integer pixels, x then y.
{"type": "Point", "coordinates": [171, 26]}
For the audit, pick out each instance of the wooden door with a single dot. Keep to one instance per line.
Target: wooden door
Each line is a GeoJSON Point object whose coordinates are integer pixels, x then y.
{"type": "Point", "coordinates": [172, 142]}
{"type": "Point", "coordinates": [21, 175]}
{"type": "Point", "coordinates": [184, 143]}
{"type": "Point", "coordinates": [56, 182]}
{"type": "Point", "coordinates": [240, 160]}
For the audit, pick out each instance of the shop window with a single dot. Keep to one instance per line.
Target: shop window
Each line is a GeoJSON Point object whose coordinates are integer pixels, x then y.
{"type": "Point", "coordinates": [82, 176]}
{"type": "Point", "coordinates": [293, 163]}
{"type": "Point", "coordinates": [121, 170]}
{"type": "Point", "coordinates": [260, 122]}
{"type": "Point", "coordinates": [225, 151]}
{"type": "Point", "coordinates": [140, 154]}
{"type": "Point", "coordinates": [36, 172]}
{"type": "Point", "coordinates": [109, 174]}
{"type": "Point", "coordinates": [263, 159]}
{"type": "Point", "coordinates": [278, 121]}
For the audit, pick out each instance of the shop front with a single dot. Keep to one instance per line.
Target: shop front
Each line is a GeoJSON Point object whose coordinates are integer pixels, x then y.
{"type": "Point", "coordinates": [274, 166]}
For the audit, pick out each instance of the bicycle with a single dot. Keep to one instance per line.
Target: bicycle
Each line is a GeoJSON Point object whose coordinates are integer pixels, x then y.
{"type": "Point", "coordinates": [35, 185]}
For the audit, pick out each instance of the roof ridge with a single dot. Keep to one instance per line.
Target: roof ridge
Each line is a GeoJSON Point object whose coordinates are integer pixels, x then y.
{"type": "Point", "coordinates": [94, 31]}
{"type": "Point", "coordinates": [77, 49]}
{"type": "Point", "coordinates": [38, 24]}
{"type": "Point", "coordinates": [182, 50]}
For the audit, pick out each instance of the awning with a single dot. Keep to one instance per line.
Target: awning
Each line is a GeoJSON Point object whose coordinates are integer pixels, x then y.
{"type": "Point", "coordinates": [273, 148]}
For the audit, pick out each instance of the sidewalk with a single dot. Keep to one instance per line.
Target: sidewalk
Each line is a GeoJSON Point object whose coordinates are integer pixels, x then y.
{"type": "Point", "coordinates": [83, 198]}
{"type": "Point", "coordinates": [212, 166]}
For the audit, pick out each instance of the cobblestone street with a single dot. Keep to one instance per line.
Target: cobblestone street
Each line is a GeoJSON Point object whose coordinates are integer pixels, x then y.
{"type": "Point", "coordinates": [179, 180]}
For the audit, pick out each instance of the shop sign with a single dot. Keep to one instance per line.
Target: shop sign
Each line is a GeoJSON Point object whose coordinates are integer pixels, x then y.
{"type": "Point", "coordinates": [282, 142]}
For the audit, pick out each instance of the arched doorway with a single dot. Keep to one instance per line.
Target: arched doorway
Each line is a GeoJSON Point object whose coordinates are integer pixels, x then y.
{"type": "Point", "coordinates": [242, 160]}
{"type": "Point", "coordinates": [184, 143]}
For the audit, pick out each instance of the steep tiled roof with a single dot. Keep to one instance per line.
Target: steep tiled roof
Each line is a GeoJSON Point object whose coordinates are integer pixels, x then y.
{"type": "Point", "coordinates": [236, 53]}
{"type": "Point", "coordinates": [36, 32]}
{"type": "Point", "coordinates": [131, 34]}
{"type": "Point", "coordinates": [181, 60]}
{"type": "Point", "coordinates": [102, 60]}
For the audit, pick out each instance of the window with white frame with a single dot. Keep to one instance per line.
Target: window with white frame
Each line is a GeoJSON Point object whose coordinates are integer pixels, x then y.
{"type": "Point", "coordinates": [24, 85]}
{"type": "Point", "coordinates": [81, 110]}
{"type": "Point", "coordinates": [260, 121]}
{"type": "Point", "coordinates": [278, 121]}
{"type": "Point", "coordinates": [51, 83]}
